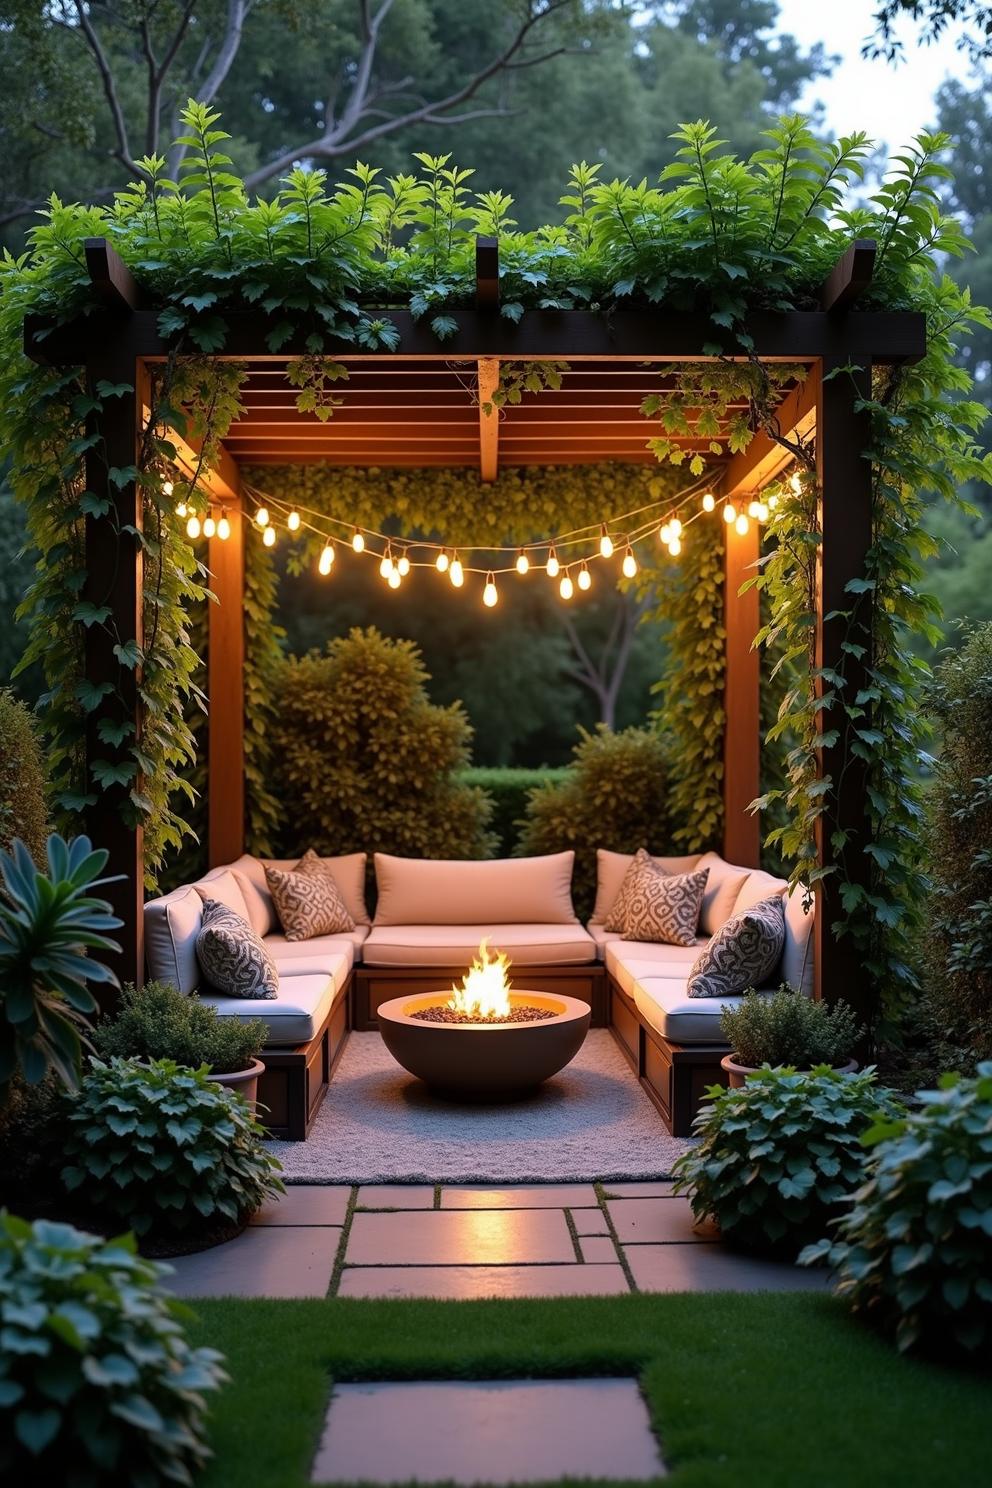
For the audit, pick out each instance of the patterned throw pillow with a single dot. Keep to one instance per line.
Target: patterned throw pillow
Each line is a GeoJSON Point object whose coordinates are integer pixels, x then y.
{"type": "Point", "coordinates": [743, 953]}
{"type": "Point", "coordinates": [308, 901]}
{"type": "Point", "coordinates": [664, 907]}
{"type": "Point", "coordinates": [231, 956]}
{"type": "Point", "coordinates": [639, 866]}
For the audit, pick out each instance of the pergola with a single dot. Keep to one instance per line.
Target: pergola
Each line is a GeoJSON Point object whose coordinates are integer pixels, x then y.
{"type": "Point", "coordinates": [423, 405]}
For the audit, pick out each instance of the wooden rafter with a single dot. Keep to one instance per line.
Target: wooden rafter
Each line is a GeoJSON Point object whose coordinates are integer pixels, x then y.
{"type": "Point", "coordinates": [849, 277]}
{"type": "Point", "coordinates": [764, 459]}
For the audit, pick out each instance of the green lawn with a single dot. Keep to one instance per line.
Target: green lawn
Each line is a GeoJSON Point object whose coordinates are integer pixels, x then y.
{"type": "Point", "coordinates": [761, 1389]}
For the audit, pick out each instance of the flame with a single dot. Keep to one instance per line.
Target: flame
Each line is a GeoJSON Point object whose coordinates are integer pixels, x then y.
{"type": "Point", "coordinates": [485, 988]}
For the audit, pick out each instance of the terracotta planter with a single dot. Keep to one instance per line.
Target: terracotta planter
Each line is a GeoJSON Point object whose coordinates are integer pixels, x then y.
{"type": "Point", "coordinates": [738, 1073]}
{"type": "Point", "coordinates": [245, 1081]}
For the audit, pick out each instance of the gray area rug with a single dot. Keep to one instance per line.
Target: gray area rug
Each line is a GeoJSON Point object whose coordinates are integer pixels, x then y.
{"type": "Point", "coordinates": [380, 1125]}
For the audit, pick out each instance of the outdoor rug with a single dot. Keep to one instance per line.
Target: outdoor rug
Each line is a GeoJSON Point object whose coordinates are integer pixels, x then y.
{"type": "Point", "coordinates": [380, 1125]}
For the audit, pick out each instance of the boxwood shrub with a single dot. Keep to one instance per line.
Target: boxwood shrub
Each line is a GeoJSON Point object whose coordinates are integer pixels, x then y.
{"type": "Point", "coordinates": [97, 1382]}
{"type": "Point", "coordinates": [509, 791]}
{"type": "Point", "coordinates": [777, 1157]}
{"type": "Point", "coordinates": [914, 1254]}
{"type": "Point", "coordinates": [158, 1022]}
{"type": "Point", "coordinates": [163, 1150]}
{"type": "Point", "coordinates": [787, 1027]}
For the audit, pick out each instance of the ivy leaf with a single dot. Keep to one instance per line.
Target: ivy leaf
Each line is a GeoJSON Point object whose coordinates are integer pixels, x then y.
{"type": "Point", "coordinates": [92, 694]}
{"type": "Point", "coordinates": [91, 614]}
{"type": "Point", "coordinates": [444, 327]}
{"type": "Point", "coordinates": [512, 310]}
{"type": "Point", "coordinates": [209, 335]}
{"type": "Point", "coordinates": [199, 301]}
{"type": "Point", "coordinates": [129, 654]}
{"type": "Point", "coordinates": [105, 772]}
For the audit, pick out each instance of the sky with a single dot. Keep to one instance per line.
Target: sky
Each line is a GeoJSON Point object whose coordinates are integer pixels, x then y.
{"type": "Point", "coordinates": [893, 102]}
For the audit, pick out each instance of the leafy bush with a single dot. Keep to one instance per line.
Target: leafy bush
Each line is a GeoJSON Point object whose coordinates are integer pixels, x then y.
{"type": "Point", "coordinates": [508, 790]}
{"type": "Point", "coordinates": [615, 796]}
{"type": "Point", "coordinates": [158, 1022]}
{"type": "Point", "coordinates": [915, 1252]}
{"type": "Point", "coordinates": [788, 1028]}
{"type": "Point", "coordinates": [363, 761]}
{"type": "Point", "coordinates": [97, 1381]}
{"type": "Point", "coordinates": [23, 807]}
{"type": "Point", "coordinates": [163, 1150]}
{"type": "Point", "coordinates": [958, 940]}
{"type": "Point", "coordinates": [776, 1157]}
{"type": "Point", "coordinates": [48, 922]}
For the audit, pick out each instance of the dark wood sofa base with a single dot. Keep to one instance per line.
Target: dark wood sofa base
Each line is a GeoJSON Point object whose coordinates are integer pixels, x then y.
{"type": "Point", "coordinates": [296, 1079]}
{"type": "Point", "coordinates": [373, 985]}
{"type": "Point", "coordinates": [674, 1076]}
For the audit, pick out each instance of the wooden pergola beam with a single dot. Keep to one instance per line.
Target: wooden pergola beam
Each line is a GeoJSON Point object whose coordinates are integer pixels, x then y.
{"type": "Point", "coordinates": [764, 459]}
{"type": "Point", "coordinates": [849, 277]}
{"type": "Point", "coordinates": [488, 382]}
{"type": "Point", "coordinates": [113, 283]}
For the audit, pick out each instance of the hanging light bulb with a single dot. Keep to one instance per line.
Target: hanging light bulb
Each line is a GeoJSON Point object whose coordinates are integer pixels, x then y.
{"type": "Point", "coordinates": [675, 547]}
{"type": "Point", "coordinates": [729, 513]}
{"type": "Point", "coordinates": [209, 526]}
{"type": "Point", "coordinates": [752, 510]}
{"type": "Point", "coordinates": [193, 526]}
{"type": "Point", "coordinates": [269, 537]}
{"type": "Point", "coordinates": [761, 511]}
{"type": "Point", "coordinates": [742, 524]}
{"type": "Point", "coordinates": [675, 527]}
{"type": "Point", "coordinates": [585, 577]}
{"type": "Point", "coordinates": [566, 588]}
{"type": "Point", "coordinates": [709, 502]}
{"type": "Point", "coordinates": [523, 562]}
{"type": "Point", "coordinates": [223, 527]}
{"type": "Point", "coordinates": [441, 561]}
{"type": "Point", "coordinates": [262, 516]}
{"type": "Point", "coordinates": [181, 509]}
{"type": "Point", "coordinates": [386, 567]}
{"type": "Point", "coordinates": [403, 565]}
{"type": "Point", "coordinates": [394, 578]}
{"type": "Point", "coordinates": [666, 533]}
{"type": "Point", "coordinates": [772, 501]}
{"type": "Point", "coordinates": [293, 521]}
{"type": "Point", "coordinates": [326, 560]}
{"type": "Point", "coordinates": [605, 542]}
{"type": "Point", "coordinates": [167, 488]}
{"type": "Point", "coordinates": [629, 565]}
{"type": "Point", "coordinates": [490, 594]}
{"type": "Point", "coordinates": [553, 565]}
{"type": "Point", "coordinates": [358, 541]}
{"type": "Point", "coordinates": [457, 572]}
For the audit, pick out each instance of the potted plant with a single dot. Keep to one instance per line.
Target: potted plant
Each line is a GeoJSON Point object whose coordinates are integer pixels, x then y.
{"type": "Point", "coordinates": [158, 1022]}
{"type": "Point", "coordinates": [787, 1028]}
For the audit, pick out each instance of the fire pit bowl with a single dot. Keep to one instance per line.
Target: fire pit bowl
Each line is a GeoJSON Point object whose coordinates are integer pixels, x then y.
{"type": "Point", "coordinates": [484, 1060]}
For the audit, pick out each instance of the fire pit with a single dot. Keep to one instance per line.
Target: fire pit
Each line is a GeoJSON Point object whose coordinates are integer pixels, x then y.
{"type": "Point", "coordinates": [484, 1040]}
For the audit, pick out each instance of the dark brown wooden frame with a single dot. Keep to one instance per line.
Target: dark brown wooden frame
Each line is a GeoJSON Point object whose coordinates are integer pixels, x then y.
{"type": "Point", "coordinates": [296, 1078]}
{"type": "Point", "coordinates": [120, 338]}
{"type": "Point", "coordinates": [674, 1076]}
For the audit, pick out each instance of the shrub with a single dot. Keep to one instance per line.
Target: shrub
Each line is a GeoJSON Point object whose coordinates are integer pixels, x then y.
{"type": "Point", "coordinates": [776, 1157]}
{"type": "Point", "coordinates": [915, 1252]}
{"type": "Point", "coordinates": [958, 941]}
{"type": "Point", "coordinates": [162, 1150]}
{"type": "Point", "coordinates": [23, 807]}
{"type": "Point", "coordinates": [364, 761]}
{"type": "Point", "coordinates": [508, 790]}
{"type": "Point", "coordinates": [33, 1126]}
{"type": "Point", "coordinates": [614, 796]}
{"type": "Point", "coordinates": [158, 1022]}
{"type": "Point", "coordinates": [789, 1028]}
{"type": "Point", "coordinates": [48, 923]}
{"type": "Point", "coordinates": [97, 1381]}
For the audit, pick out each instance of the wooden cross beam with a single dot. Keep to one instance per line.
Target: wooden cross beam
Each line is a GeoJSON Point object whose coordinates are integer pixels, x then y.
{"type": "Point", "coordinates": [113, 283]}
{"type": "Point", "coordinates": [849, 277]}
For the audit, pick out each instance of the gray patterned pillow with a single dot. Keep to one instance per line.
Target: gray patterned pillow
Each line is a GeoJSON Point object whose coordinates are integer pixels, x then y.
{"type": "Point", "coordinates": [743, 953]}
{"type": "Point", "coordinates": [664, 907]}
{"type": "Point", "coordinates": [232, 957]}
{"type": "Point", "coordinates": [640, 864]}
{"type": "Point", "coordinates": [308, 901]}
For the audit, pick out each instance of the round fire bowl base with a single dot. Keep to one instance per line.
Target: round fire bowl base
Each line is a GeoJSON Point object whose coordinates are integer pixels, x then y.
{"type": "Point", "coordinates": [484, 1061]}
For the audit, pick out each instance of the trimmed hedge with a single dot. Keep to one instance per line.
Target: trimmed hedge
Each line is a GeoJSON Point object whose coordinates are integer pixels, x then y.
{"type": "Point", "coordinates": [23, 807]}
{"type": "Point", "coordinates": [509, 790]}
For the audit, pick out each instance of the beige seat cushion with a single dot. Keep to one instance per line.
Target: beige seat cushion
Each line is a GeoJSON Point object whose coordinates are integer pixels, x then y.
{"type": "Point", "coordinates": [330, 956]}
{"type": "Point", "coordinates": [499, 891]}
{"type": "Point", "coordinates": [611, 868]}
{"type": "Point", "coordinates": [663, 1004]}
{"type": "Point", "coordinates": [348, 872]}
{"type": "Point", "coordinates": [294, 1017]}
{"type": "Point", "coordinates": [456, 945]}
{"type": "Point", "coordinates": [628, 960]}
{"type": "Point", "coordinates": [172, 923]}
{"type": "Point", "coordinates": [602, 937]}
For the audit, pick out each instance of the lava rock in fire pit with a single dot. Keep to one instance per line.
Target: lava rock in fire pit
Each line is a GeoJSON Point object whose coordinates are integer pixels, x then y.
{"type": "Point", "coordinates": [444, 1014]}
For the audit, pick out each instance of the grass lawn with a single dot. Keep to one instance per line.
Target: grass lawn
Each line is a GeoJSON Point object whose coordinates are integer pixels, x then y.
{"type": "Point", "coordinates": [759, 1389]}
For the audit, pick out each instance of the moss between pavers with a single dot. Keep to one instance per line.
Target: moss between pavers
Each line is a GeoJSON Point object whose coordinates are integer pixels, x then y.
{"type": "Point", "coordinates": [754, 1391]}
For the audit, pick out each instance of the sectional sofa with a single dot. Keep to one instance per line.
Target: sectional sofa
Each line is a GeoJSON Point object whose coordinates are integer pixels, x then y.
{"type": "Point", "coordinates": [429, 920]}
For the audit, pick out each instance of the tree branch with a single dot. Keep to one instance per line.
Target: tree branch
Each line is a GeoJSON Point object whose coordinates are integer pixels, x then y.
{"type": "Point", "coordinates": [123, 151]}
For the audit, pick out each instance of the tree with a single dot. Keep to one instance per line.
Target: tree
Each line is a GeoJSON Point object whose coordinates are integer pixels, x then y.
{"type": "Point", "coordinates": [934, 16]}
{"type": "Point", "coordinates": [602, 668]}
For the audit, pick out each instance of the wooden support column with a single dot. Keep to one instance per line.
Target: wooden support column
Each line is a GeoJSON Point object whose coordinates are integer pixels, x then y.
{"type": "Point", "coordinates": [488, 421]}
{"type": "Point", "coordinates": [226, 693]}
{"type": "Point", "coordinates": [741, 701]}
{"type": "Point", "coordinates": [845, 519]}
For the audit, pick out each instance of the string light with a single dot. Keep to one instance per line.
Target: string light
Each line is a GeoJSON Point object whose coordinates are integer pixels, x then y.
{"type": "Point", "coordinates": [629, 565]}
{"type": "Point", "coordinates": [403, 565]}
{"type": "Point", "coordinates": [675, 547]}
{"type": "Point", "coordinates": [729, 513]}
{"type": "Point", "coordinates": [167, 488]}
{"type": "Point", "coordinates": [666, 533]}
{"type": "Point", "coordinates": [566, 588]}
{"type": "Point", "coordinates": [262, 517]}
{"type": "Point", "coordinates": [193, 526]}
{"type": "Point", "coordinates": [585, 577]}
{"type": "Point", "coordinates": [293, 521]}
{"type": "Point", "coordinates": [752, 509]}
{"type": "Point", "coordinates": [209, 526]}
{"type": "Point", "coordinates": [181, 508]}
{"type": "Point", "coordinates": [269, 537]}
{"type": "Point", "coordinates": [553, 565]}
{"type": "Point", "coordinates": [357, 541]}
{"type": "Point", "coordinates": [326, 560]}
{"type": "Point", "coordinates": [605, 542]}
{"type": "Point", "coordinates": [675, 527]}
{"type": "Point", "coordinates": [773, 501]}
{"type": "Point", "coordinates": [761, 511]}
{"type": "Point", "coordinates": [709, 502]}
{"type": "Point", "coordinates": [394, 580]}
{"type": "Point", "coordinates": [456, 571]}
{"type": "Point", "coordinates": [523, 562]}
{"type": "Point", "coordinates": [386, 565]}
{"type": "Point", "coordinates": [742, 524]}
{"type": "Point", "coordinates": [490, 594]}
{"type": "Point", "coordinates": [223, 527]}
{"type": "Point", "coordinates": [441, 561]}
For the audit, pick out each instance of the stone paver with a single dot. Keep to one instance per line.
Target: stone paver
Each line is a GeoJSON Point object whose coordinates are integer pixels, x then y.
{"type": "Point", "coordinates": [528, 1196]}
{"type": "Point", "coordinates": [590, 1222]}
{"type": "Point", "coordinates": [267, 1261]}
{"type": "Point", "coordinates": [597, 1248]}
{"type": "Point", "coordinates": [306, 1204]}
{"type": "Point", "coordinates": [659, 1190]}
{"type": "Point", "coordinates": [487, 1431]}
{"type": "Point", "coordinates": [459, 1283]}
{"type": "Point", "coordinates": [647, 1221]}
{"type": "Point", "coordinates": [710, 1268]}
{"type": "Point", "coordinates": [395, 1196]}
{"type": "Point", "coordinates": [477, 1237]}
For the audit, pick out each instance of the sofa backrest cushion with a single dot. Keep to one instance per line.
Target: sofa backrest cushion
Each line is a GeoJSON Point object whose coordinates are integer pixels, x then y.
{"type": "Point", "coordinates": [757, 886]}
{"type": "Point", "coordinates": [722, 888]}
{"type": "Point", "coordinates": [348, 872]}
{"type": "Point", "coordinates": [224, 887]}
{"type": "Point", "coordinates": [498, 891]}
{"type": "Point", "coordinates": [172, 924]}
{"type": "Point", "coordinates": [611, 869]}
{"type": "Point", "coordinates": [797, 953]}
